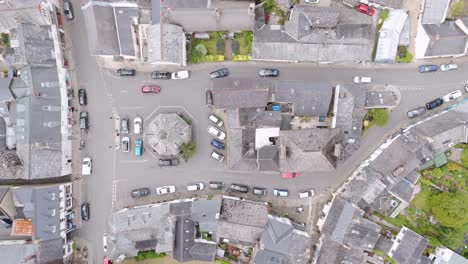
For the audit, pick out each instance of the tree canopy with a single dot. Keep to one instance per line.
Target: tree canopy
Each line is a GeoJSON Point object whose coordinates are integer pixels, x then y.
{"type": "Point", "coordinates": [450, 209]}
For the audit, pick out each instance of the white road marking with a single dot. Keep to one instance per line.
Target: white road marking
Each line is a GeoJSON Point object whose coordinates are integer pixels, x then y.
{"type": "Point", "coordinates": [132, 161]}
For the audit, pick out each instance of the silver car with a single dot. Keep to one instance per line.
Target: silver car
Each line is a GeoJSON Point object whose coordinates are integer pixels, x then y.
{"type": "Point", "coordinates": [416, 112]}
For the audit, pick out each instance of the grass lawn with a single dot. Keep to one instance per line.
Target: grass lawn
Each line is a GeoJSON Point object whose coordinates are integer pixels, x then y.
{"type": "Point", "coordinates": [210, 45]}
{"type": "Point", "coordinates": [243, 48]}
{"type": "Point", "coordinates": [421, 201]}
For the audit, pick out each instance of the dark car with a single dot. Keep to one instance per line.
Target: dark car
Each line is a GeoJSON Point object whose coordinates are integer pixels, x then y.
{"type": "Point", "coordinates": [239, 188]}
{"type": "Point", "coordinates": [168, 162]}
{"type": "Point", "coordinates": [217, 144]}
{"type": "Point", "coordinates": [259, 191]}
{"type": "Point", "coordinates": [161, 75]}
{"type": "Point", "coordinates": [82, 97]}
{"type": "Point", "coordinates": [209, 97]}
{"type": "Point", "coordinates": [216, 185]}
{"type": "Point", "coordinates": [84, 120]}
{"type": "Point", "coordinates": [427, 68]}
{"type": "Point", "coordinates": [126, 72]}
{"type": "Point", "coordinates": [142, 192]}
{"type": "Point", "coordinates": [268, 73]}
{"type": "Point", "coordinates": [416, 112]}
{"type": "Point", "coordinates": [435, 103]}
{"type": "Point", "coordinates": [219, 73]}
{"type": "Point", "coordinates": [85, 211]}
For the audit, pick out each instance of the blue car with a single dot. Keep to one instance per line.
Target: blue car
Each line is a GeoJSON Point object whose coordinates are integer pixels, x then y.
{"type": "Point", "coordinates": [217, 144]}
{"type": "Point", "coordinates": [138, 147]}
{"type": "Point", "coordinates": [428, 68]}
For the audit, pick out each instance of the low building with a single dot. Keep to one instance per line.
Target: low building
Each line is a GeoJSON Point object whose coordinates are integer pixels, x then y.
{"type": "Point", "coordinates": [407, 247]}
{"type": "Point", "coordinates": [444, 255]}
{"type": "Point", "coordinates": [393, 33]}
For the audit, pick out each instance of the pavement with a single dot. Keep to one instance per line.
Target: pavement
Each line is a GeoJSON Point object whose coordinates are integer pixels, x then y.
{"type": "Point", "coordinates": [116, 173]}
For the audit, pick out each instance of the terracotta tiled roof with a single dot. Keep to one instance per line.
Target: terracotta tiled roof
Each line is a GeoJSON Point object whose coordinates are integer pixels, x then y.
{"type": "Point", "coordinates": [22, 227]}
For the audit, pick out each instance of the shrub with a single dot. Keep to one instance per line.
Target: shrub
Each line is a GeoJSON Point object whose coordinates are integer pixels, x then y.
{"type": "Point", "coordinates": [240, 58]}
{"type": "Point", "coordinates": [217, 34]}
{"type": "Point", "coordinates": [200, 50]}
{"type": "Point", "coordinates": [437, 172]}
{"type": "Point", "coordinates": [450, 209]}
{"type": "Point", "coordinates": [142, 255]}
{"type": "Point", "coordinates": [188, 150]}
{"type": "Point", "coordinates": [384, 15]}
{"type": "Point", "coordinates": [5, 39]}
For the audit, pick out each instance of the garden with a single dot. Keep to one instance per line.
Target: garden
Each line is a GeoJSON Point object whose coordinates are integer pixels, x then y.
{"type": "Point", "coordinates": [378, 117]}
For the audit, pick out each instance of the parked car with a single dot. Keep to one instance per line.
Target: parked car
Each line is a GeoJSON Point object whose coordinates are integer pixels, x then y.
{"type": "Point", "coordinates": [448, 67]}
{"type": "Point", "coordinates": [85, 211]}
{"type": "Point", "coordinates": [161, 75]}
{"type": "Point", "coordinates": [124, 125]}
{"type": "Point", "coordinates": [84, 119]}
{"type": "Point", "coordinates": [180, 75]}
{"type": "Point", "coordinates": [312, 1]}
{"type": "Point", "coordinates": [195, 187]}
{"type": "Point", "coordinates": [125, 72]}
{"type": "Point", "coordinates": [259, 191]}
{"type": "Point", "coordinates": [138, 147]}
{"type": "Point", "coordinates": [452, 96]}
{"type": "Point", "coordinates": [217, 144]}
{"type": "Point", "coordinates": [125, 144]}
{"type": "Point", "coordinates": [82, 97]}
{"type": "Point", "coordinates": [216, 120]}
{"type": "Point", "coordinates": [165, 189]}
{"type": "Point", "coordinates": [68, 10]}
{"type": "Point", "coordinates": [416, 112]}
{"type": "Point", "coordinates": [216, 185]}
{"type": "Point", "coordinates": [466, 88]}
{"type": "Point", "coordinates": [435, 103]}
{"type": "Point", "coordinates": [168, 162]}
{"type": "Point", "coordinates": [104, 242]}
{"type": "Point", "coordinates": [289, 175]}
{"type": "Point", "coordinates": [141, 192]}
{"type": "Point", "coordinates": [362, 79]}
{"type": "Point", "coordinates": [216, 132]}
{"type": "Point", "coordinates": [239, 188]}
{"type": "Point", "coordinates": [307, 194]}
{"type": "Point", "coordinates": [280, 192]}
{"type": "Point", "coordinates": [137, 125]}
{"type": "Point", "coordinates": [209, 97]}
{"type": "Point", "coordinates": [86, 166]}
{"type": "Point", "coordinates": [217, 156]}
{"type": "Point", "coordinates": [365, 9]}
{"type": "Point", "coordinates": [268, 73]}
{"type": "Point", "coordinates": [219, 73]}
{"type": "Point", "coordinates": [150, 89]}
{"type": "Point", "coordinates": [427, 68]}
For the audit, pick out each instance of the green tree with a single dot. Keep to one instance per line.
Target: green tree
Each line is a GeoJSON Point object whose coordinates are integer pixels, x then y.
{"type": "Point", "coordinates": [456, 10]}
{"type": "Point", "coordinates": [188, 150]}
{"type": "Point", "coordinates": [437, 172]}
{"type": "Point", "coordinates": [450, 209]}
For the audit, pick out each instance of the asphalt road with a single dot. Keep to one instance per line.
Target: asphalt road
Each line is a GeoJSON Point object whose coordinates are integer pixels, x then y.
{"type": "Point", "coordinates": [116, 173]}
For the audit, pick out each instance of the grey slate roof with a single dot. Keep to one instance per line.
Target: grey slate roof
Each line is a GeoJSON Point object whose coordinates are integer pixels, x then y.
{"type": "Point", "coordinates": [19, 252]}
{"type": "Point", "coordinates": [166, 45]}
{"type": "Point", "coordinates": [242, 154]}
{"type": "Point", "coordinates": [258, 117]}
{"type": "Point", "coordinates": [123, 18]}
{"type": "Point", "coordinates": [239, 93]}
{"type": "Point", "coordinates": [435, 11]}
{"type": "Point", "coordinates": [51, 251]}
{"type": "Point", "coordinates": [204, 251]}
{"type": "Point", "coordinates": [305, 18]}
{"type": "Point", "coordinates": [447, 256]}
{"type": "Point", "coordinates": [27, 11]}
{"type": "Point", "coordinates": [206, 213]}
{"type": "Point", "coordinates": [445, 39]}
{"type": "Point", "coordinates": [268, 158]}
{"type": "Point", "coordinates": [410, 247]}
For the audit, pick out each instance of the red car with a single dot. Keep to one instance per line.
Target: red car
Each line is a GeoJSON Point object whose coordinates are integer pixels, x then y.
{"type": "Point", "coordinates": [289, 175]}
{"type": "Point", "coordinates": [150, 89]}
{"type": "Point", "coordinates": [365, 9]}
{"type": "Point", "coordinates": [106, 261]}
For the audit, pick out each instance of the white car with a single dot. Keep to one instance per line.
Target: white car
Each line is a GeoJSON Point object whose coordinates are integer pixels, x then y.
{"type": "Point", "coordinates": [137, 125]}
{"type": "Point", "coordinates": [217, 156]}
{"type": "Point", "coordinates": [216, 132]}
{"type": "Point", "coordinates": [280, 192]}
{"type": "Point", "coordinates": [216, 120]}
{"type": "Point", "coordinates": [452, 96]}
{"type": "Point", "coordinates": [125, 144]}
{"type": "Point", "coordinates": [180, 75]}
{"type": "Point", "coordinates": [165, 189]}
{"type": "Point", "coordinates": [104, 242]}
{"type": "Point", "coordinates": [307, 194]}
{"type": "Point", "coordinates": [448, 67]}
{"type": "Point", "coordinates": [362, 79]}
{"type": "Point", "coordinates": [86, 166]}
{"type": "Point", "coordinates": [195, 187]}
{"type": "Point", "coordinates": [312, 1]}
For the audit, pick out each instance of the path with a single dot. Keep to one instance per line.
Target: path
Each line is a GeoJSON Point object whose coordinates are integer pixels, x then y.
{"type": "Point", "coordinates": [227, 49]}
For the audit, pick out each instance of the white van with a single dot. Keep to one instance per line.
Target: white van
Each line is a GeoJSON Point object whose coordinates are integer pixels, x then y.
{"type": "Point", "coordinates": [307, 194]}
{"type": "Point", "coordinates": [195, 187]}
{"type": "Point", "coordinates": [452, 96]}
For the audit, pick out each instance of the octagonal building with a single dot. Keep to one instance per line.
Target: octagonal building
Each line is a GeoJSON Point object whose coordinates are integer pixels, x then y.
{"type": "Point", "coordinates": [166, 132]}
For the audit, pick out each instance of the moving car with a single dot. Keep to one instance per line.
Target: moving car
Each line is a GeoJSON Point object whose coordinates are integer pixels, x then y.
{"type": "Point", "coordinates": [416, 112]}
{"type": "Point", "coordinates": [86, 166]}
{"type": "Point", "coordinates": [168, 162]}
{"type": "Point", "coordinates": [84, 120]}
{"type": "Point", "coordinates": [216, 120]}
{"type": "Point", "coordinates": [216, 185]}
{"type": "Point", "coordinates": [68, 10]}
{"type": "Point", "coordinates": [82, 97]}
{"type": "Point", "coordinates": [180, 75]}
{"type": "Point", "coordinates": [161, 75]}
{"type": "Point", "coordinates": [219, 73]}
{"type": "Point", "coordinates": [142, 192]}
{"type": "Point", "coordinates": [435, 103]}
{"type": "Point", "coordinates": [268, 73]}
{"type": "Point", "coordinates": [448, 67]}
{"type": "Point", "coordinates": [104, 242]}
{"type": "Point", "coordinates": [259, 191]}
{"type": "Point", "coordinates": [217, 156]}
{"type": "Point", "coordinates": [362, 79]}
{"type": "Point", "coordinates": [195, 187]}
{"type": "Point", "coordinates": [427, 68]}
{"type": "Point", "coordinates": [150, 89]}
{"type": "Point", "coordinates": [216, 132]}
{"type": "Point", "coordinates": [85, 211]}
{"type": "Point", "coordinates": [280, 192]}
{"type": "Point", "coordinates": [209, 97]}
{"type": "Point", "coordinates": [239, 188]}
{"type": "Point", "coordinates": [452, 96]}
{"type": "Point", "coordinates": [138, 147]}
{"type": "Point", "coordinates": [165, 189]}
{"type": "Point", "coordinates": [137, 125]}
{"type": "Point", "coordinates": [125, 72]}
{"type": "Point", "coordinates": [217, 144]}
{"type": "Point", "coordinates": [307, 194]}
{"type": "Point", "coordinates": [289, 175]}
{"type": "Point", "coordinates": [365, 9]}
{"type": "Point", "coordinates": [125, 144]}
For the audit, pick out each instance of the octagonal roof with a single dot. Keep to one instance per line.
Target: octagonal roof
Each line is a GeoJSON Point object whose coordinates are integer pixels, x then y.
{"type": "Point", "coordinates": [166, 132]}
